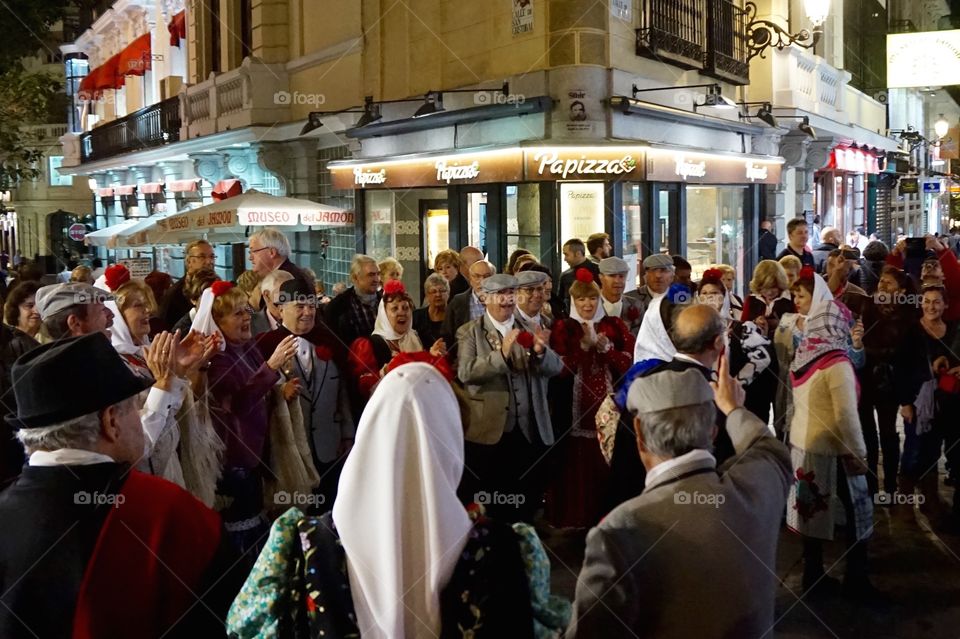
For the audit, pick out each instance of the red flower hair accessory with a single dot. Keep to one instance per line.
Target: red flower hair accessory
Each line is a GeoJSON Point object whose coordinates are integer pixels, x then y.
{"type": "Point", "coordinates": [439, 363]}
{"type": "Point", "coordinates": [525, 338]}
{"type": "Point", "coordinates": [394, 287]}
{"type": "Point", "coordinates": [806, 273]}
{"type": "Point", "coordinates": [116, 276]}
{"type": "Point", "coordinates": [220, 287]}
{"type": "Point", "coordinates": [712, 275]}
{"type": "Point", "coordinates": [584, 275]}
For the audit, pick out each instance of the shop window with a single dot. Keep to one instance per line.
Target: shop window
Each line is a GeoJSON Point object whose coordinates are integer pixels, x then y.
{"type": "Point", "coordinates": [379, 224]}
{"type": "Point", "coordinates": [523, 218]}
{"type": "Point", "coordinates": [476, 221]}
{"type": "Point", "coordinates": [581, 209]}
{"type": "Point", "coordinates": [715, 229]}
{"type": "Point", "coordinates": [632, 239]}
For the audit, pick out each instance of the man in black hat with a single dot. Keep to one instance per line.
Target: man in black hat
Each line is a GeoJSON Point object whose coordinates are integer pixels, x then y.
{"type": "Point", "coordinates": [91, 547]}
{"type": "Point", "coordinates": [321, 386]}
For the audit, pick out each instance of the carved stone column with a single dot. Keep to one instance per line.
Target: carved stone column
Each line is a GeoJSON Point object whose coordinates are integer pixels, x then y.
{"type": "Point", "coordinates": [212, 167]}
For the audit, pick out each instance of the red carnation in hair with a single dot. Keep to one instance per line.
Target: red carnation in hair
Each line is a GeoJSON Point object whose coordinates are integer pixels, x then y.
{"type": "Point", "coordinates": [525, 338]}
{"type": "Point", "coordinates": [394, 287]}
{"type": "Point", "coordinates": [439, 363]}
{"type": "Point", "coordinates": [806, 273]}
{"type": "Point", "coordinates": [116, 276]}
{"type": "Point", "coordinates": [220, 287]}
{"type": "Point", "coordinates": [712, 275]}
{"type": "Point", "coordinates": [584, 275]}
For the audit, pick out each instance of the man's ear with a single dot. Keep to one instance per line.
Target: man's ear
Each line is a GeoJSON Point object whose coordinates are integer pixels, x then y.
{"type": "Point", "coordinates": [109, 426]}
{"type": "Point", "coordinates": [74, 324]}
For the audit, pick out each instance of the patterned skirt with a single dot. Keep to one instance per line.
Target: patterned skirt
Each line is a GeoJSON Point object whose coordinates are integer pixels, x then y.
{"type": "Point", "coordinates": [814, 505]}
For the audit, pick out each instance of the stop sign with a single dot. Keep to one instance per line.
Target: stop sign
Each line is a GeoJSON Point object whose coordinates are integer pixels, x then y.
{"type": "Point", "coordinates": [77, 232]}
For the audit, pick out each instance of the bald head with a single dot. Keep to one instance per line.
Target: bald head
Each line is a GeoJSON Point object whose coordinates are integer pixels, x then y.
{"type": "Point", "coordinates": [469, 255]}
{"type": "Point", "coordinates": [697, 331]}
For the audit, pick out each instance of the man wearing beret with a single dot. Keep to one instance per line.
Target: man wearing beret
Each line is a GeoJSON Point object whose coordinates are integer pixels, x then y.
{"type": "Point", "coordinates": [531, 296]}
{"type": "Point", "coordinates": [505, 372]}
{"type": "Point", "coordinates": [91, 547]}
{"type": "Point", "coordinates": [613, 279]}
{"type": "Point", "coordinates": [658, 275]}
{"type": "Point", "coordinates": [701, 537]}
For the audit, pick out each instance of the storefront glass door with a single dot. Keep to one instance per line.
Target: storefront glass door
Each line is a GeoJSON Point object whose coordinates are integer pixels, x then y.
{"type": "Point", "coordinates": [715, 227]}
{"type": "Point", "coordinates": [523, 218]}
{"type": "Point", "coordinates": [436, 225]}
{"type": "Point", "coordinates": [666, 218]}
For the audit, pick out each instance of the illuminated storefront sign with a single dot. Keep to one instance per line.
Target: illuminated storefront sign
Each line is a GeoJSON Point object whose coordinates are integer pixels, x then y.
{"type": "Point", "coordinates": [854, 160]}
{"type": "Point", "coordinates": [557, 163]}
{"type": "Point", "coordinates": [930, 58]}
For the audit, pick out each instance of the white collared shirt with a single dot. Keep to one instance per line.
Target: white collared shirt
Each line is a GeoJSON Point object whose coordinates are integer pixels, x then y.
{"type": "Point", "coordinates": [613, 309]}
{"type": "Point", "coordinates": [68, 457]}
{"type": "Point", "coordinates": [502, 327]}
{"type": "Point", "coordinates": [664, 468]}
{"type": "Point", "coordinates": [536, 320]}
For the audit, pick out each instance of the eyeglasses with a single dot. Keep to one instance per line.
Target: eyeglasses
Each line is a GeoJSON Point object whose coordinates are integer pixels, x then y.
{"type": "Point", "coordinates": [205, 256]}
{"type": "Point", "coordinates": [252, 251]}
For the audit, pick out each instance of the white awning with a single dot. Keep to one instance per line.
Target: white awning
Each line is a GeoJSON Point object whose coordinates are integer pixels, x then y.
{"type": "Point", "coordinates": [103, 237]}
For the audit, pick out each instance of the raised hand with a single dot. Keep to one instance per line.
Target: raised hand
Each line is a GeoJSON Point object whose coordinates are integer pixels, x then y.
{"type": "Point", "coordinates": [508, 341]}
{"type": "Point", "coordinates": [439, 348]}
{"type": "Point", "coordinates": [727, 391]}
{"type": "Point", "coordinates": [541, 340]}
{"type": "Point", "coordinates": [161, 360]}
{"type": "Point", "coordinates": [286, 349]}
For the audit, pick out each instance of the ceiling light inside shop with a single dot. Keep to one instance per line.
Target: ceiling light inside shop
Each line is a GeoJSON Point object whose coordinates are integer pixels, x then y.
{"type": "Point", "coordinates": [941, 127]}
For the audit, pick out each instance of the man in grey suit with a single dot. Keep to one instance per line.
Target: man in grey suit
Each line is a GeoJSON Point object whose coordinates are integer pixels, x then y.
{"type": "Point", "coordinates": [508, 430]}
{"type": "Point", "coordinates": [322, 388]}
{"type": "Point", "coordinates": [531, 295]}
{"type": "Point", "coordinates": [613, 279]}
{"type": "Point", "coordinates": [658, 273]}
{"type": "Point", "coordinates": [466, 306]}
{"type": "Point", "coordinates": [695, 554]}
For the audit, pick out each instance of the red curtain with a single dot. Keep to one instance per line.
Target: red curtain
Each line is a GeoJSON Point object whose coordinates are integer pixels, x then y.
{"type": "Point", "coordinates": [178, 28]}
{"type": "Point", "coordinates": [135, 59]}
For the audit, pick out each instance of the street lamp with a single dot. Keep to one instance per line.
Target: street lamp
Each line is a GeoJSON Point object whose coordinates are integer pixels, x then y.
{"type": "Point", "coordinates": [941, 127]}
{"type": "Point", "coordinates": [762, 34]}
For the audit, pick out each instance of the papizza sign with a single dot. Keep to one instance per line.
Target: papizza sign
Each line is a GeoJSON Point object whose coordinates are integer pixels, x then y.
{"type": "Point", "coordinates": [557, 163]}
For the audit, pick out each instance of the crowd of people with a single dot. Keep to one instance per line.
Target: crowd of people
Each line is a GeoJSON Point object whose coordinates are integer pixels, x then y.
{"type": "Point", "coordinates": [254, 458]}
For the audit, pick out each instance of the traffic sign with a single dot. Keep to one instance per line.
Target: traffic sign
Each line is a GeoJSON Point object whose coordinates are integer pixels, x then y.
{"type": "Point", "coordinates": [77, 232]}
{"type": "Point", "coordinates": [931, 187]}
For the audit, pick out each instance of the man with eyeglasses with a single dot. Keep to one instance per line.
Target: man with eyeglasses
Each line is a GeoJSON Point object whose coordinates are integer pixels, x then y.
{"type": "Point", "coordinates": [269, 250]}
{"type": "Point", "coordinates": [198, 255]}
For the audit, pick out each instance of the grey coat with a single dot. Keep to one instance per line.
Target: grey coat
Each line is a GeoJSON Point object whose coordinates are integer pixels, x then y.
{"type": "Point", "coordinates": [326, 407]}
{"type": "Point", "coordinates": [487, 377]}
{"type": "Point", "coordinates": [695, 554]}
{"type": "Point", "coordinates": [641, 299]}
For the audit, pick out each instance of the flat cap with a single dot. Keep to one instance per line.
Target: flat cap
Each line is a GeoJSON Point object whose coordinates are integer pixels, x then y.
{"type": "Point", "coordinates": [57, 297]}
{"type": "Point", "coordinates": [296, 291]}
{"type": "Point", "coordinates": [658, 261]}
{"type": "Point", "coordinates": [668, 389]}
{"type": "Point", "coordinates": [530, 278]}
{"type": "Point", "coordinates": [613, 266]}
{"type": "Point", "coordinates": [497, 283]}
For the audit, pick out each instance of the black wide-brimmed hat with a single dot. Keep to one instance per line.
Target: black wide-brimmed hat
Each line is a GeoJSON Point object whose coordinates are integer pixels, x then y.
{"type": "Point", "coordinates": [69, 378]}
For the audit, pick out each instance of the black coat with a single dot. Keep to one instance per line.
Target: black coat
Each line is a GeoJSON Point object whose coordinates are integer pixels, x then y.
{"type": "Point", "coordinates": [767, 245]}
{"type": "Point", "coordinates": [339, 317]}
{"type": "Point", "coordinates": [174, 305]}
{"type": "Point", "coordinates": [820, 254]}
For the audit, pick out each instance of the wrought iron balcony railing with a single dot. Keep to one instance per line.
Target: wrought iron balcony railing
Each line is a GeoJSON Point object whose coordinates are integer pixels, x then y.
{"type": "Point", "coordinates": [709, 35]}
{"type": "Point", "coordinates": [151, 126]}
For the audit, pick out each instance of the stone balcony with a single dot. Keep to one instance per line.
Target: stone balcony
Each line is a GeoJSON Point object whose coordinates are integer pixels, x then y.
{"type": "Point", "coordinates": [252, 94]}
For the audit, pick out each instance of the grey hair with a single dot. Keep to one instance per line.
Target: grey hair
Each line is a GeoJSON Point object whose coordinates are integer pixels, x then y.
{"type": "Point", "coordinates": [357, 263]}
{"type": "Point", "coordinates": [272, 238]}
{"type": "Point", "coordinates": [272, 281]}
{"type": "Point", "coordinates": [700, 340]}
{"type": "Point", "coordinates": [676, 431]}
{"type": "Point", "coordinates": [435, 279]}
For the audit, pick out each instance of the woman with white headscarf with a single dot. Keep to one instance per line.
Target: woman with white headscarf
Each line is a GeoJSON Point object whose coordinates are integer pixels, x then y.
{"type": "Point", "coordinates": [810, 291]}
{"type": "Point", "coordinates": [393, 333]}
{"type": "Point", "coordinates": [596, 351]}
{"type": "Point", "coordinates": [399, 557]}
{"type": "Point", "coordinates": [828, 450]}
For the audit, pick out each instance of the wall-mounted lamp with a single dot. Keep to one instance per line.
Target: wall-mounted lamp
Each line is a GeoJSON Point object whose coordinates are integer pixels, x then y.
{"type": "Point", "coordinates": [941, 127]}
{"type": "Point", "coordinates": [762, 34]}
{"type": "Point", "coordinates": [764, 113]}
{"type": "Point", "coordinates": [713, 98]}
{"type": "Point", "coordinates": [804, 126]}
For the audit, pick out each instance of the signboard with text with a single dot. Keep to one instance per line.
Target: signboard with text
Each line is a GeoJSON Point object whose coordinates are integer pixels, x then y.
{"type": "Point", "coordinates": [696, 168]}
{"type": "Point", "coordinates": [467, 168]}
{"type": "Point", "coordinates": [139, 267]}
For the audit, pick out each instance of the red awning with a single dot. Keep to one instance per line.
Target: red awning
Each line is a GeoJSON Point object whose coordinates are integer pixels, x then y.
{"type": "Point", "coordinates": [151, 187]}
{"type": "Point", "coordinates": [106, 192]}
{"type": "Point", "coordinates": [226, 188]}
{"type": "Point", "coordinates": [135, 58]}
{"type": "Point", "coordinates": [88, 86]}
{"type": "Point", "coordinates": [178, 28]}
{"type": "Point", "coordinates": [124, 189]}
{"type": "Point", "coordinates": [180, 186]}
{"type": "Point", "coordinates": [108, 74]}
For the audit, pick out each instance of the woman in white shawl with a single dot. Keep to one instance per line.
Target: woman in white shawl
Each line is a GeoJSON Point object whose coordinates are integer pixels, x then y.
{"type": "Point", "coordinates": [393, 333]}
{"type": "Point", "coordinates": [170, 361]}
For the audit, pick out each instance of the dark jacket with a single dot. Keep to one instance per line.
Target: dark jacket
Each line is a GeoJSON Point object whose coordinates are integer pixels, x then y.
{"type": "Point", "coordinates": [820, 254]}
{"type": "Point", "coordinates": [806, 258]}
{"type": "Point", "coordinates": [458, 314]}
{"type": "Point", "coordinates": [174, 304]}
{"type": "Point", "coordinates": [13, 344]}
{"type": "Point", "coordinates": [767, 245]}
{"type": "Point", "coordinates": [870, 275]}
{"type": "Point", "coordinates": [458, 285]}
{"type": "Point", "coordinates": [339, 317]}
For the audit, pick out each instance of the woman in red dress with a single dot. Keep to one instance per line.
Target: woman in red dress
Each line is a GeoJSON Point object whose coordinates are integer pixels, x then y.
{"type": "Point", "coordinates": [597, 350]}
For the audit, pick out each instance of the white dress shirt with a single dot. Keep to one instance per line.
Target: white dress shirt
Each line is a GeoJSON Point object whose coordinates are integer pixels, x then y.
{"type": "Point", "coordinates": [666, 467]}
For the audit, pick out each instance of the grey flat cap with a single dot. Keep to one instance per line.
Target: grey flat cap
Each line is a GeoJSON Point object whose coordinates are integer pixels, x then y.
{"type": "Point", "coordinates": [668, 389]}
{"type": "Point", "coordinates": [527, 279]}
{"type": "Point", "coordinates": [613, 266]}
{"type": "Point", "coordinates": [658, 261]}
{"type": "Point", "coordinates": [497, 283]}
{"type": "Point", "coordinates": [57, 297]}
